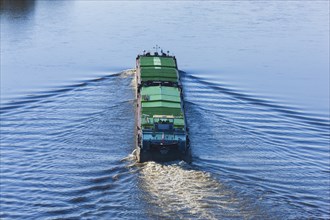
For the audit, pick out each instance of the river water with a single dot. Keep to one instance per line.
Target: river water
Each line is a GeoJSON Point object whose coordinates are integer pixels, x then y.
{"type": "Point", "coordinates": [256, 83]}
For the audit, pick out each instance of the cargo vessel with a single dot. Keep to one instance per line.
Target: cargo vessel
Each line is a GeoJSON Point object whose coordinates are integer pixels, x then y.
{"type": "Point", "coordinates": [161, 127]}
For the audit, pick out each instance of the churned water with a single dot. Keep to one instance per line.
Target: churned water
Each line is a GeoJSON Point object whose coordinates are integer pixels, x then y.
{"type": "Point", "coordinates": [256, 83]}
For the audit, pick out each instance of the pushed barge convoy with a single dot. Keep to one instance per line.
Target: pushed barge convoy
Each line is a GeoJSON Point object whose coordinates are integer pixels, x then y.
{"type": "Point", "coordinates": [161, 131]}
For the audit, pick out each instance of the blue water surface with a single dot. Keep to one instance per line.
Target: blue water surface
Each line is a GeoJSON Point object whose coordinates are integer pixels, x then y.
{"type": "Point", "coordinates": [256, 81]}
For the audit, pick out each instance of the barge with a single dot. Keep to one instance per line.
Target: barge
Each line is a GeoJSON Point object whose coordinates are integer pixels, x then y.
{"type": "Point", "coordinates": [161, 128]}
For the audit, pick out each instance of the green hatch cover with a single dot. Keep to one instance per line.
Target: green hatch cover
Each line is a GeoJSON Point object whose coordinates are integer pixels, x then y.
{"type": "Point", "coordinates": [158, 71]}
{"type": "Point", "coordinates": [157, 61]}
{"type": "Point", "coordinates": [159, 74]}
{"type": "Point", "coordinates": [160, 90]}
{"type": "Point", "coordinates": [161, 100]}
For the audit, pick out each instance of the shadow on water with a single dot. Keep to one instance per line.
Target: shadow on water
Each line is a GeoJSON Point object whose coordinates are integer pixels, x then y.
{"type": "Point", "coordinates": [17, 9]}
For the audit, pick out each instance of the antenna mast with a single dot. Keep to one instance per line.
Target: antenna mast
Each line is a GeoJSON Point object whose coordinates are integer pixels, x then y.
{"type": "Point", "coordinates": [156, 48]}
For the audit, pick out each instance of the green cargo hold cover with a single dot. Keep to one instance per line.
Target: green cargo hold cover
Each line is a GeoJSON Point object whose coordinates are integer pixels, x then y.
{"type": "Point", "coordinates": [162, 104]}
{"type": "Point", "coordinates": [151, 111]}
{"type": "Point", "coordinates": [161, 100]}
{"type": "Point", "coordinates": [158, 72]}
{"type": "Point", "coordinates": [146, 61]}
{"type": "Point", "coordinates": [161, 97]}
{"type": "Point", "coordinates": [160, 90]}
{"type": "Point", "coordinates": [144, 79]}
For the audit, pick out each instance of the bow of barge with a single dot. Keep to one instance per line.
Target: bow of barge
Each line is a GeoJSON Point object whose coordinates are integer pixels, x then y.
{"type": "Point", "coordinates": [161, 128]}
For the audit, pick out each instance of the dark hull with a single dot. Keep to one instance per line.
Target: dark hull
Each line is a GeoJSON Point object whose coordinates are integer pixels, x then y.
{"type": "Point", "coordinates": [163, 154]}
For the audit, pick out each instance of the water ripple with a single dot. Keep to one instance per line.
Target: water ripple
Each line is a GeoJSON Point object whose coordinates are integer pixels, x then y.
{"type": "Point", "coordinates": [268, 151]}
{"type": "Point", "coordinates": [68, 156]}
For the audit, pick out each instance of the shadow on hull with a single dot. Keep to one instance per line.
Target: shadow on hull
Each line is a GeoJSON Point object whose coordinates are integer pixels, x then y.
{"type": "Point", "coordinates": [163, 154]}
